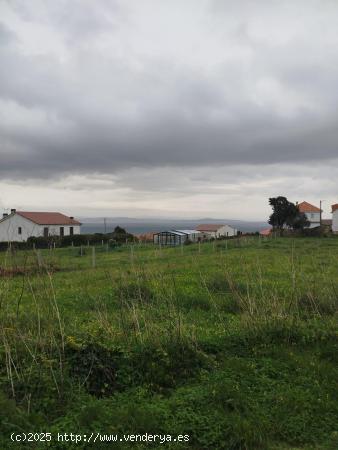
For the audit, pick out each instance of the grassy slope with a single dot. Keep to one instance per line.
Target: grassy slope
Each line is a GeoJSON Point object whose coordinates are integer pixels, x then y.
{"type": "Point", "coordinates": [233, 344]}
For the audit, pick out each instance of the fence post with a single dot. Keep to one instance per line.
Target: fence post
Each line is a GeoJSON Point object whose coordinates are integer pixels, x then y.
{"type": "Point", "coordinates": [93, 257]}
{"type": "Point", "coordinates": [39, 258]}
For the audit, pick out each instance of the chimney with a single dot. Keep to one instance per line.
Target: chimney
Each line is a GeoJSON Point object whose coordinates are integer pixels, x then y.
{"type": "Point", "coordinates": [4, 215]}
{"type": "Point", "coordinates": [13, 211]}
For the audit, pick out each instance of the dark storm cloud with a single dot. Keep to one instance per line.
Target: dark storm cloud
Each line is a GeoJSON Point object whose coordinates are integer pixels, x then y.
{"type": "Point", "coordinates": [99, 94]}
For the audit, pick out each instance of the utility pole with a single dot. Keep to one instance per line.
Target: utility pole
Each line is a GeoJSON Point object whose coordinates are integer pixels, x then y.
{"type": "Point", "coordinates": [320, 214]}
{"type": "Point", "coordinates": [105, 225]}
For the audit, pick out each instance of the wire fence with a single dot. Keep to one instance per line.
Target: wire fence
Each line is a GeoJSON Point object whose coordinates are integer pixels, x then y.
{"type": "Point", "coordinates": [104, 255]}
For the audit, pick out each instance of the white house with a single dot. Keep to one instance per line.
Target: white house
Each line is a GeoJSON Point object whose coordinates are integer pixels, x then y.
{"type": "Point", "coordinates": [312, 213]}
{"type": "Point", "coordinates": [216, 230]}
{"type": "Point", "coordinates": [335, 218]}
{"type": "Point", "coordinates": [18, 226]}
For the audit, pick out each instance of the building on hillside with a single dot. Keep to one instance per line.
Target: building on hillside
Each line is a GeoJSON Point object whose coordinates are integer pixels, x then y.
{"type": "Point", "coordinates": [18, 226]}
{"type": "Point", "coordinates": [266, 232]}
{"type": "Point", "coordinates": [335, 218]}
{"type": "Point", "coordinates": [176, 237]}
{"type": "Point", "coordinates": [216, 230]}
{"type": "Point", "coordinates": [146, 237]}
{"type": "Point", "coordinates": [312, 213]}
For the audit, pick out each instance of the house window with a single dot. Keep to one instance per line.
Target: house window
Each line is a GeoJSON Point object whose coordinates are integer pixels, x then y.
{"type": "Point", "coordinates": [71, 231]}
{"type": "Point", "coordinates": [62, 231]}
{"type": "Point", "coordinates": [19, 230]}
{"type": "Point", "coordinates": [45, 232]}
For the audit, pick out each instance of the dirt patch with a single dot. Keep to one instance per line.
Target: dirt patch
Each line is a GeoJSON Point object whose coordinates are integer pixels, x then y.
{"type": "Point", "coordinates": [20, 271]}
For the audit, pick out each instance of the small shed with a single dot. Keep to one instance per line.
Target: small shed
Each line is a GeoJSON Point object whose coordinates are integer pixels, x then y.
{"type": "Point", "coordinates": [176, 237]}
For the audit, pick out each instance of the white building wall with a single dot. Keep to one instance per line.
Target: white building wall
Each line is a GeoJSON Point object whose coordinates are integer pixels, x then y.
{"type": "Point", "coordinates": [335, 221]}
{"type": "Point", "coordinates": [313, 218]}
{"type": "Point", "coordinates": [9, 229]}
{"type": "Point", "coordinates": [209, 234]}
{"type": "Point", "coordinates": [227, 230]}
{"type": "Point", "coordinates": [54, 230]}
{"type": "Point", "coordinates": [224, 230]}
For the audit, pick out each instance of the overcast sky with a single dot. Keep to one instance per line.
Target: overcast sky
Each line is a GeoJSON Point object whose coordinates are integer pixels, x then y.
{"type": "Point", "coordinates": [157, 108]}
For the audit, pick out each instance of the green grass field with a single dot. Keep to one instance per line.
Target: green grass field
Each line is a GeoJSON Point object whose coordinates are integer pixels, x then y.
{"type": "Point", "coordinates": [233, 343]}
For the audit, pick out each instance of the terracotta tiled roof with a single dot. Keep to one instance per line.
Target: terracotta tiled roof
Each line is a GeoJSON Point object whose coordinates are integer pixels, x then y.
{"type": "Point", "coordinates": [209, 227]}
{"type": "Point", "coordinates": [334, 207]}
{"type": "Point", "coordinates": [146, 236]}
{"type": "Point", "coordinates": [48, 218]}
{"type": "Point", "coordinates": [266, 232]}
{"type": "Point", "coordinates": [305, 207]}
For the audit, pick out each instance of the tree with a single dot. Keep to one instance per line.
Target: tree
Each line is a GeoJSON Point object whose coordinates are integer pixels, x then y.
{"type": "Point", "coordinates": [299, 221]}
{"type": "Point", "coordinates": [119, 230]}
{"type": "Point", "coordinates": [282, 210]}
{"type": "Point", "coordinates": [286, 213]}
{"type": "Point", "coordinates": [120, 235]}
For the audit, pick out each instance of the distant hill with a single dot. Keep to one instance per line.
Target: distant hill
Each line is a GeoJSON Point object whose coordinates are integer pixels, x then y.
{"type": "Point", "coordinates": [137, 226]}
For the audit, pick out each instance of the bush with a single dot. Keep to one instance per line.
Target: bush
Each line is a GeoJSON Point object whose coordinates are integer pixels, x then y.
{"type": "Point", "coordinates": [95, 367]}
{"type": "Point", "coordinates": [41, 242]}
{"type": "Point", "coordinates": [166, 366]}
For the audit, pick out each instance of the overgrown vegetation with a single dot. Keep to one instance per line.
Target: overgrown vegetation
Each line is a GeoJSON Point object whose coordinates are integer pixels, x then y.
{"type": "Point", "coordinates": [117, 237]}
{"type": "Point", "coordinates": [234, 343]}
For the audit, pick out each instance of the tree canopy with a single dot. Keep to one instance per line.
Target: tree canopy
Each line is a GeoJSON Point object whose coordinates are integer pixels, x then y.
{"type": "Point", "coordinates": [285, 213]}
{"type": "Point", "coordinates": [121, 235]}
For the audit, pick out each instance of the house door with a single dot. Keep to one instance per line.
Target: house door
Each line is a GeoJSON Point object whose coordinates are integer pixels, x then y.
{"type": "Point", "coordinates": [62, 231]}
{"type": "Point", "coordinates": [45, 232]}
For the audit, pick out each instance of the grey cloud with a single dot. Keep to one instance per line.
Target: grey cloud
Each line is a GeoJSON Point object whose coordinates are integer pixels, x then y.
{"type": "Point", "coordinates": [77, 18]}
{"type": "Point", "coordinates": [107, 110]}
{"type": "Point", "coordinates": [6, 35]}
{"type": "Point", "coordinates": [168, 141]}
